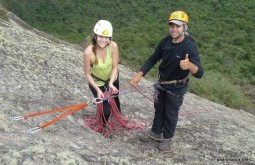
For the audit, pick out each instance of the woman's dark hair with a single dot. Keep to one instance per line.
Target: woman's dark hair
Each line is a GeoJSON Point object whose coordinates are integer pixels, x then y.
{"type": "Point", "coordinates": [94, 47]}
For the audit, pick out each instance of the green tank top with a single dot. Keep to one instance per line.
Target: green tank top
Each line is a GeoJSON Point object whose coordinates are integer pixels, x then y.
{"type": "Point", "coordinates": [103, 70]}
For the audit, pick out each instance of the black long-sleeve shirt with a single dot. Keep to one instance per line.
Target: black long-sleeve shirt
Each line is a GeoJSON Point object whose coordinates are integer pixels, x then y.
{"type": "Point", "coordinates": [170, 55]}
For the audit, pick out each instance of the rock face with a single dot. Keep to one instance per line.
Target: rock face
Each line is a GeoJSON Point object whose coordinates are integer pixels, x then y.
{"type": "Point", "coordinates": [38, 74]}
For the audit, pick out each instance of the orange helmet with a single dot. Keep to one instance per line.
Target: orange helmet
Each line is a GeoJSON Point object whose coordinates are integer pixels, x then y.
{"type": "Point", "coordinates": [179, 15]}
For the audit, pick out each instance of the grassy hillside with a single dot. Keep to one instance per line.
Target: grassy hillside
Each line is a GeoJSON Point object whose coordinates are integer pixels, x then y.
{"type": "Point", "coordinates": [224, 31]}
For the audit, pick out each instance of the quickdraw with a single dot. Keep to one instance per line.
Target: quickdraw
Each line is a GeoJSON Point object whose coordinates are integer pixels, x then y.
{"type": "Point", "coordinates": [72, 109]}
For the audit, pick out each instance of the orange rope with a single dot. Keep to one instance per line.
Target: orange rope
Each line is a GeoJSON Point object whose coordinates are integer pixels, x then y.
{"type": "Point", "coordinates": [52, 111]}
{"type": "Point", "coordinates": [73, 109]}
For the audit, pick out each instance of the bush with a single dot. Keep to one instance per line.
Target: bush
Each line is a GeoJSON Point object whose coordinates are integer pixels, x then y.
{"type": "Point", "coordinates": [217, 88]}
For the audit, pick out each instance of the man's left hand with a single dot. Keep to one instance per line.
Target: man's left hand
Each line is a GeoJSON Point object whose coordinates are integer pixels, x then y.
{"type": "Point", "coordinates": [184, 64]}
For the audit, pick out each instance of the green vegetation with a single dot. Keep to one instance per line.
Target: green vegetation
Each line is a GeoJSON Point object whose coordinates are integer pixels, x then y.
{"type": "Point", "coordinates": [224, 31]}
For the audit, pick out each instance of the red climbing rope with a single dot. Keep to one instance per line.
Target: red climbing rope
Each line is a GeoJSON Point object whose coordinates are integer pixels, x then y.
{"type": "Point", "coordinates": [115, 122]}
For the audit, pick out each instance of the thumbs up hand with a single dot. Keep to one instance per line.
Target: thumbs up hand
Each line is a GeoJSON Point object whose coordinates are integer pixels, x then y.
{"type": "Point", "coordinates": [184, 64]}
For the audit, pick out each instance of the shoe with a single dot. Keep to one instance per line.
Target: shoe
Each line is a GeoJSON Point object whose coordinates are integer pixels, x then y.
{"type": "Point", "coordinates": [149, 136]}
{"type": "Point", "coordinates": [165, 144]}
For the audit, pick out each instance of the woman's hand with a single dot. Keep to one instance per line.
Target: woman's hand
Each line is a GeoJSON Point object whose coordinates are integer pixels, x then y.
{"type": "Point", "coordinates": [100, 94]}
{"type": "Point", "coordinates": [113, 89]}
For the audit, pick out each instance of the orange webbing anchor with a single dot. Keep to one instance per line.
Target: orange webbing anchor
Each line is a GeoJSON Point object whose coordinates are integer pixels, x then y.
{"type": "Point", "coordinates": [71, 109]}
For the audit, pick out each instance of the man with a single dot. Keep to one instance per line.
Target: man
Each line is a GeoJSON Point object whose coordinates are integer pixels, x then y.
{"type": "Point", "coordinates": [179, 57]}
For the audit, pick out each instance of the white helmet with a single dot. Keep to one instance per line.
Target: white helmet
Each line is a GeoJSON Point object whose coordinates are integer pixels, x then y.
{"type": "Point", "coordinates": [103, 28]}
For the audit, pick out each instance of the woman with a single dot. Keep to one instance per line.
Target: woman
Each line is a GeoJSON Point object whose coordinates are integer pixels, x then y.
{"type": "Point", "coordinates": [101, 65]}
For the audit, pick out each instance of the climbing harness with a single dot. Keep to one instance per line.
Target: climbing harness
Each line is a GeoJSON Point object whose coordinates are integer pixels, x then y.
{"type": "Point", "coordinates": [159, 87]}
{"type": "Point", "coordinates": [72, 109]}
{"type": "Point", "coordinates": [173, 83]}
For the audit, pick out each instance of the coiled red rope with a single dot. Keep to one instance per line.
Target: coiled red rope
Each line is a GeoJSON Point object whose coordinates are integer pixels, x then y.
{"type": "Point", "coordinates": [116, 121]}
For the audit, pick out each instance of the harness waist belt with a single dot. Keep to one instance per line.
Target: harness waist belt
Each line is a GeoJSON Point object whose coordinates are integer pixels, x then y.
{"type": "Point", "coordinates": [98, 79]}
{"type": "Point", "coordinates": [174, 81]}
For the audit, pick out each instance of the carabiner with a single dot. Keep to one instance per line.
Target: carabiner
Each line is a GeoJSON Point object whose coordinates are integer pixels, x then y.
{"type": "Point", "coordinates": [34, 130]}
{"type": "Point", "coordinates": [97, 101]}
{"type": "Point", "coordinates": [17, 118]}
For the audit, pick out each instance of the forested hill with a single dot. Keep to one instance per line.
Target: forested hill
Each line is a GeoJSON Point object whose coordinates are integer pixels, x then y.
{"type": "Point", "coordinates": [224, 32]}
